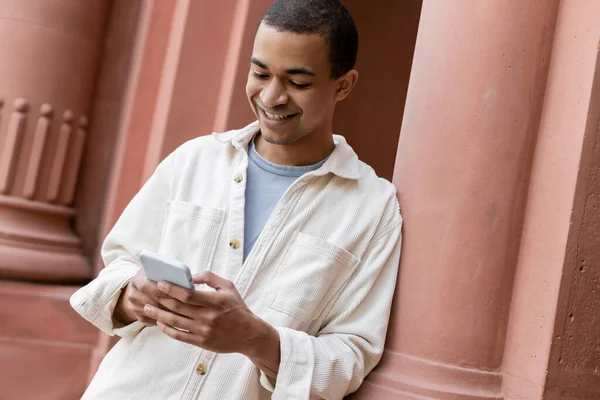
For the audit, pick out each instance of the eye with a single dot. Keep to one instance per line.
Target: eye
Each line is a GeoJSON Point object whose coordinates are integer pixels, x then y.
{"type": "Point", "coordinates": [300, 85]}
{"type": "Point", "coordinates": [259, 75]}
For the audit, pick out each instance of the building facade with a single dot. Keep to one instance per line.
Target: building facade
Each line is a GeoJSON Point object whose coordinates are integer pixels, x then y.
{"type": "Point", "coordinates": [485, 115]}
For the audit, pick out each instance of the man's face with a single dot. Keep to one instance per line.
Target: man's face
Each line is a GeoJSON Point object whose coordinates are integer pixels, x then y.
{"type": "Point", "coordinates": [289, 87]}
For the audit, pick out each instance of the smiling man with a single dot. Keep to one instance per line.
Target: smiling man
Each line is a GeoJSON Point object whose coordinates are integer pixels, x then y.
{"type": "Point", "coordinates": [293, 241]}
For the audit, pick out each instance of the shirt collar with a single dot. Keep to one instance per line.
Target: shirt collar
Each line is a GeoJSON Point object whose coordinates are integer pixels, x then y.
{"type": "Point", "coordinates": [342, 162]}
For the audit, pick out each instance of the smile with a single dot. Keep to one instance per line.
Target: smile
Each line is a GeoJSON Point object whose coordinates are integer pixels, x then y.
{"type": "Point", "coordinates": [278, 117]}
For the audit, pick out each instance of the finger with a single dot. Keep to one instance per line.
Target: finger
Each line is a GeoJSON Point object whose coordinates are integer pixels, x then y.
{"type": "Point", "coordinates": [213, 280]}
{"type": "Point", "coordinates": [176, 334]}
{"type": "Point", "coordinates": [189, 296]}
{"type": "Point", "coordinates": [176, 306]}
{"type": "Point", "coordinates": [139, 300]}
{"type": "Point", "coordinates": [169, 318]}
{"type": "Point", "coordinates": [140, 273]}
{"type": "Point", "coordinates": [147, 321]}
{"type": "Point", "coordinates": [149, 288]}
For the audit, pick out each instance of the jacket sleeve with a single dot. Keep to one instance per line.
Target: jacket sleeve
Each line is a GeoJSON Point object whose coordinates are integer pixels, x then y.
{"type": "Point", "coordinates": [139, 227]}
{"type": "Point", "coordinates": [351, 341]}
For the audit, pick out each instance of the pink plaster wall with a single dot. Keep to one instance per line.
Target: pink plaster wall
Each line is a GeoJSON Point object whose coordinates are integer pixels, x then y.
{"type": "Point", "coordinates": [192, 76]}
{"type": "Point", "coordinates": [574, 368]}
{"type": "Point", "coordinates": [106, 116]}
{"type": "Point", "coordinates": [138, 106]}
{"type": "Point", "coordinates": [554, 229]}
{"type": "Point", "coordinates": [371, 116]}
{"type": "Point", "coordinates": [45, 346]}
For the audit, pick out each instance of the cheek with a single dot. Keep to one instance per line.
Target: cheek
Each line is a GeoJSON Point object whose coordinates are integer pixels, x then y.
{"type": "Point", "coordinates": [314, 106]}
{"type": "Point", "coordinates": [251, 89]}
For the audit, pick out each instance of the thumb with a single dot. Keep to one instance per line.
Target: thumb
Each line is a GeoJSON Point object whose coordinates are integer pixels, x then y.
{"type": "Point", "coordinates": [212, 280]}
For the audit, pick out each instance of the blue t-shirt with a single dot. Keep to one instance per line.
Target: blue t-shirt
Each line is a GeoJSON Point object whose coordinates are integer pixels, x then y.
{"type": "Point", "coordinates": [265, 185]}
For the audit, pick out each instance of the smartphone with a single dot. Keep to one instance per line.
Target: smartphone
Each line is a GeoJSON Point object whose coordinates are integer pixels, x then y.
{"type": "Point", "coordinates": [162, 268]}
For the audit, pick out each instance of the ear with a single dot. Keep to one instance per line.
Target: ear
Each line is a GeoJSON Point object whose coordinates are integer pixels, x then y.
{"type": "Point", "coordinates": [345, 84]}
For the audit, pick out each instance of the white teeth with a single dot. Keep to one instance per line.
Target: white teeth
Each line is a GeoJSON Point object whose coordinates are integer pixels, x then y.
{"type": "Point", "coordinates": [273, 116]}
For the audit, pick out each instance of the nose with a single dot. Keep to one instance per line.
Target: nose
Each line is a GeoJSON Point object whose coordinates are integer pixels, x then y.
{"type": "Point", "coordinates": [273, 94]}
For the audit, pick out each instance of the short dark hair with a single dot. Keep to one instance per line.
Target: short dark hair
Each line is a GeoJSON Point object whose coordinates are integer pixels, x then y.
{"type": "Point", "coordinates": [326, 17]}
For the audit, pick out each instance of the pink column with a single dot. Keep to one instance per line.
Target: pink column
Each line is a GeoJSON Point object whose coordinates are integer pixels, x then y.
{"type": "Point", "coordinates": [49, 52]}
{"type": "Point", "coordinates": [46, 81]}
{"type": "Point", "coordinates": [462, 170]}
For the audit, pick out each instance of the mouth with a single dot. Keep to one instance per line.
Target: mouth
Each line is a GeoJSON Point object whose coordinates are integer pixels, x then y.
{"type": "Point", "coordinates": [277, 117]}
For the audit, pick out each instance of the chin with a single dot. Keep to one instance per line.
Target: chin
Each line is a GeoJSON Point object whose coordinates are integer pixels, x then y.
{"type": "Point", "coordinates": [280, 138]}
{"type": "Point", "coordinates": [273, 138]}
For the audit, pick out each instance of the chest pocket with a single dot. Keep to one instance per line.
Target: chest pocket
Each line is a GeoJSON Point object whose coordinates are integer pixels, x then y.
{"type": "Point", "coordinates": [190, 234]}
{"type": "Point", "coordinates": [310, 275]}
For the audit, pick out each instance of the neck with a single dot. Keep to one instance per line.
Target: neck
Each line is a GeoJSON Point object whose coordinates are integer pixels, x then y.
{"type": "Point", "coordinates": [307, 151]}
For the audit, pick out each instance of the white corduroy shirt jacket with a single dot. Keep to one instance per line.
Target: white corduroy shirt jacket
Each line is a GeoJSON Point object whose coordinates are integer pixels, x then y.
{"type": "Point", "coordinates": [322, 272]}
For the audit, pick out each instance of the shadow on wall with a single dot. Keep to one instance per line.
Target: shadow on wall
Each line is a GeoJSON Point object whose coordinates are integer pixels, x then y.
{"type": "Point", "coordinates": [371, 116]}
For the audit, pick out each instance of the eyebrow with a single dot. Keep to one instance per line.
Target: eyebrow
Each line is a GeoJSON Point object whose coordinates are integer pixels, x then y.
{"type": "Point", "coordinates": [289, 71]}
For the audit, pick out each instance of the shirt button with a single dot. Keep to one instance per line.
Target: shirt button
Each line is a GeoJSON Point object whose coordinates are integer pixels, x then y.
{"type": "Point", "coordinates": [234, 244]}
{"type": "Point", "coordinates": [201, 369]}
{"type": "Point", "coordinates": [238, 178]}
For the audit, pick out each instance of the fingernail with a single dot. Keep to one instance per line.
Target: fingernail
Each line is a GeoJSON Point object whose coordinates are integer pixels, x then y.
{"type": "Point", "coordinates": [162, 285]}
{"type": "Point", "coordinates": [148, 308]}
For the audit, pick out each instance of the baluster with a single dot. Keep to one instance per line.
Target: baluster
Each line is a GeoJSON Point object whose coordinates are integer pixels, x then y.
{"type": "Point", "coordinates": [64, 136]}
{"type": "Point", "coordinates": [14, 136]}
{"type": "Point", "coordinates": [37, 151]}
{"type": "Point", "coordinates": [75, 162]}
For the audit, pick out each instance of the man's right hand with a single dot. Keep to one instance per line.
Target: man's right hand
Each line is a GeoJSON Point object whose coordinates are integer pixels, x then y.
{"type": "Point", "coordinates": [138, 292]}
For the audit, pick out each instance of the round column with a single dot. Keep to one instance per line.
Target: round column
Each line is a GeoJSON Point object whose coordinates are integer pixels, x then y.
{"type": "Point", "coordinates": [46, 86]}
{"type": "Point", "coordinates": [463, 162]}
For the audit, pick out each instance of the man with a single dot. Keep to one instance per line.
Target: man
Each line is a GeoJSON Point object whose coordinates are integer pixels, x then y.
{"type": "Point", "coordinates": [293, 241]}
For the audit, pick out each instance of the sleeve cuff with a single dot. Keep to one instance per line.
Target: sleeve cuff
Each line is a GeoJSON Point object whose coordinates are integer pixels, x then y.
{"type": "Point", "coordinates": [129, 331]}
{"type": "Point", "coordinates": [266, 382]}
{"type": "Point", "coordinates": [124, 331]}
{"type": "Point", "coordinates": [294, 378]}
{"type": "Point", "coordinates": [96, 301]}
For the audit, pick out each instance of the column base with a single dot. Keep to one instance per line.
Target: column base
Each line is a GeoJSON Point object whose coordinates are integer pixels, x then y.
{"type": "Point", "coordinates": [37, 243]}
{"type": "Point", "coordinates": [409, 377]}
{"type": "Point", "coordinates": [45, 346]}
